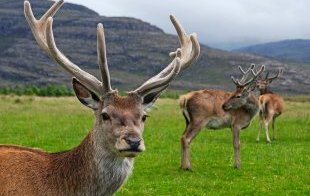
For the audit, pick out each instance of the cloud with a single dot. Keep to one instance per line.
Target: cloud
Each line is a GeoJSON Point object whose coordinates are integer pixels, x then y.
{"type": "Point", "coordinates": [221, 23]}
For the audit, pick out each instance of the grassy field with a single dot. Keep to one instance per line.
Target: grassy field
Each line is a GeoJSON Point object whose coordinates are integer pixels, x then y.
{"type": "Point", "coordinates": [280, 168]}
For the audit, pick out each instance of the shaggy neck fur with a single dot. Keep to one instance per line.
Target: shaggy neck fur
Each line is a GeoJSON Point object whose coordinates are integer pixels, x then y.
{"type": "Point", "coordinates": [265, 91]}
{"type": "Point", "coordinates": [90, 169]}
{"type": "Point", "coordinates": [252, 106]}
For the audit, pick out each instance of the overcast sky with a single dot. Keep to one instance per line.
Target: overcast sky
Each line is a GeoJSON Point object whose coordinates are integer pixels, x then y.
{"type": "Point", "coordinates": [219, 23]}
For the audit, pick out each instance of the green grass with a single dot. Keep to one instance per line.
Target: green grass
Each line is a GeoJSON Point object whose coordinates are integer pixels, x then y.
{"type": "Point", "coordinates": [279, 168]}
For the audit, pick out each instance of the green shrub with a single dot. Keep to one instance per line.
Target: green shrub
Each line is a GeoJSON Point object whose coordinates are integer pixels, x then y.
{"type": "Point", "coordinates": [51, 90]}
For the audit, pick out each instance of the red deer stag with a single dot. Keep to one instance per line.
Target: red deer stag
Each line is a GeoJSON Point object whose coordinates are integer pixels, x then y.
{"type": "Point", "coordinates": [217, 109]}
{"type": "Point", "coordinates": [104, 159]}
{"type": "Point", "coordinates": [270, 105]}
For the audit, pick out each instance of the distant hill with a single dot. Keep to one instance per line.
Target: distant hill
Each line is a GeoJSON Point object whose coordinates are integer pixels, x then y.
{"type": "Point", "coordinates": [297, 50]}
{"type": "Point", "coordinates": [136, 51]}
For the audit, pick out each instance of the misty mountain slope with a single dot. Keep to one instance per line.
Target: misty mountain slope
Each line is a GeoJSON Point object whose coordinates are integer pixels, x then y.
{"type": "Point", "coordinates": [297, 50]}
{"type": "Point", "coordinates": [136, 50]}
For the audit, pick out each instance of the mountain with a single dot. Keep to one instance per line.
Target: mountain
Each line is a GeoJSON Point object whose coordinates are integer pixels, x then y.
{"type": "Point", "coordinates": [136, 50]}
{"type": "Point", "coordinates": [297, 50]}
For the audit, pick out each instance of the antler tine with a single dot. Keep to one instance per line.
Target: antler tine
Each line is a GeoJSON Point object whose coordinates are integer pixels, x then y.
{"type": "Point", "coordinates": [185, 42]}
{"type": "Point", "coordinates": [52, 11]}
{"type": "Point", "coordinates": [102, 59]}
{"type": "Point", "coordinates": [38, 26]}
{"type": "Point", "coordinates": [236, 81]}
{"type": "Point", "coordinates": [255, 76]}
{"type": "Point", "coordinates": [246, 73]}
{"type": "Point", "coordinates": [276, 76]}
{"type": "Point", "coordinates": [184, 56]}
{"type": "Point", "coordinates": [262, 68]}
{"type": "Point", "coordinates": [43, 33]}
{"type": "Point", "coordinates": [242, 71]}
{"type": "Point", "coordinates": [179, 29]}
{"type": "Point", "coordinates": [85, 78]}
{"type": "Point", "coordinates": [184, 39]}
{"type": "Point", "coordinates": [164, 81]}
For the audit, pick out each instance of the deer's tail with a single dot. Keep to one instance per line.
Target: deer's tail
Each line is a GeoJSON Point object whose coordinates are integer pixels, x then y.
{"type": "Point", "coordinates": [183, 105]}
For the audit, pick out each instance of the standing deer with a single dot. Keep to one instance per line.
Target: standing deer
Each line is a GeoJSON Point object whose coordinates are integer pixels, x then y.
{"type": "Point", "coordinates": [270, 105]}
{"type": "Point", "coordinates": [104, 159]}
{"type": "Point", "coordinates": [217, 109]}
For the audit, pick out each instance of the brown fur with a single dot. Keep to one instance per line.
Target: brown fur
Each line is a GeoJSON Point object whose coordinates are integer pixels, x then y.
{"type": "Point", "coordinates": [271, 106]}
{"type": "Point", "coordinates": [26, 171]}
{"type": "Point", "coordinates": [204, 103]}
{"type": "Point", "coordinates": [101, 164]}
{"type": "Point", "coordinates": [204, 109]}
{"type": "Point", "coordinates": [88, 169]}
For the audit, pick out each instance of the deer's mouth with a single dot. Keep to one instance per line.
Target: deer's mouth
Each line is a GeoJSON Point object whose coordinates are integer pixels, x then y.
{"type": "Point", "coordinates": [226, 107]}
{"type": "Point", "coordinates": [130, 146]}
{"type": "Point", "coordinates": [131, 150]}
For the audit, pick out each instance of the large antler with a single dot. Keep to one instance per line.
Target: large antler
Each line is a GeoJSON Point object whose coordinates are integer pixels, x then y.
{"type": "Point", "coordinates": [43, 33]}
{"type": "Point", "coordinates": [242, 82]}
{"type": "Point", "coordinates": [182, 58]}
{"type": "Point", "coordinates": [245, 74]}
{"type": "Point", "coordinates": [274, 77]}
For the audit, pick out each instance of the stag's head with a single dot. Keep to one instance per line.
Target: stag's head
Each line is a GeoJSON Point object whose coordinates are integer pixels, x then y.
{"type": "Point", "coordinates": [244, 87]}
{"type": "Point", "coordinates": [263, 82]}
{"type": "Point", "coordinates": [119, 119]}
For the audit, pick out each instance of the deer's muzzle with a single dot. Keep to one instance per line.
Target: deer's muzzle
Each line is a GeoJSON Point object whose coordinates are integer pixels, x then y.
{"type": "Point", "coordinates": [131, 145]}
{"type": "Point", "coordinates": [226, 107]}
{"type": "Point", "coordinates": [133, 142]}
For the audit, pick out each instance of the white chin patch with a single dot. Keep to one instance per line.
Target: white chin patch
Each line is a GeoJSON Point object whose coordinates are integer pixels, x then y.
{"type": "Point", "coordinates": [129, 153]}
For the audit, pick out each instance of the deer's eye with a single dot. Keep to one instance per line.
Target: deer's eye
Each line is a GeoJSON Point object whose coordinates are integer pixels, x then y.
{"type": "Point", "coordinates": [238, 96]}
{"type": "Point", "coordinates": [144, 117]}
{"type": "Point", "coordinates": [105, 116]}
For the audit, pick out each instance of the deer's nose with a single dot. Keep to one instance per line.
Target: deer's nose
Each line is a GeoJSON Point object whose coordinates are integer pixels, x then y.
{"type": "Point", "coordinates": [133, 142]}
{"type": "Point", "coordinates": [224, 107]}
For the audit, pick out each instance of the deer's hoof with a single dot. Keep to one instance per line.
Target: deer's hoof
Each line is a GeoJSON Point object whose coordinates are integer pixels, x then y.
{"type": "Point", "coordinates": [186, 168]}
{"type": "Point", "coordinates": [237, 166]}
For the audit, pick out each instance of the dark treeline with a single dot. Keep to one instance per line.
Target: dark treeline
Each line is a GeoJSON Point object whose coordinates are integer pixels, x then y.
{"type": "Point", "coordinates": [54, 90]}
{"type": "Point", "coordinates": [57, 90]}
{"type": "Point", "coordinates": [51, 90]}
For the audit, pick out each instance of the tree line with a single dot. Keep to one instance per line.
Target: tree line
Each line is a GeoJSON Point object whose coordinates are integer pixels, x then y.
{"type": "Point", "coordinates": [52, 90]}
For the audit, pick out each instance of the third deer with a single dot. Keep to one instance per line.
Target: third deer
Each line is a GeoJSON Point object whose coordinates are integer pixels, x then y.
{"type": "Point", "coordinates": [217, 109]}
{"type": "Point", "coordinates": [271, 104]}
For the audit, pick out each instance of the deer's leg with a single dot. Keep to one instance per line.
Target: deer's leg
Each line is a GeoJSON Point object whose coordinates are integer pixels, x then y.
{"type": "Point", "coordinates": [185, 151]}
{"type": "Point", "coordinates": [273, 125]}
{"type": "Point", "coordinates": [189, 134]}
{"type": "Point", "coordinates": [260, 125]}
{"type": "Point", "coordinates": [267, 121]}
{"type": "Point", "coordinates": [236, 143]}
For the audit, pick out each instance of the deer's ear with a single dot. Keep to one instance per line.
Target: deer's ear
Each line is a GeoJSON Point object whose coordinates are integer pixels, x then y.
{"type": "Point", "coordinates": [251, 87]}
{"type": "Point", "coordinates": [269, 81]}
{"type": "Point", "coordinates": [150, 97]}
{"type": "Point", "coordinates": [85, 96]}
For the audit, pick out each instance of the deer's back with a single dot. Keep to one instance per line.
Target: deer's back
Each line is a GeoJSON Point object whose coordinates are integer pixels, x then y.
{"type": "Point", "coordinates": [205, 103]}
{"type": "Point", "coordinates": [22, 170]}
{"type": "Point", "coordinates": [29, 171]}
{"type": "Point", "coordinates": [274, 102]}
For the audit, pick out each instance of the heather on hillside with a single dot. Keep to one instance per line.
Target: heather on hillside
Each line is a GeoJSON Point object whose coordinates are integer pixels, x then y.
{"type": "Point", "coordinates": [136, 50]}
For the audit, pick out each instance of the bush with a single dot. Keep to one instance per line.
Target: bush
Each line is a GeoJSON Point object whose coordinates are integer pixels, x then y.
{"type": "Point", "coordinates": [172, 94]}
{"type": "Point", "coordinates": [51, 90]}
